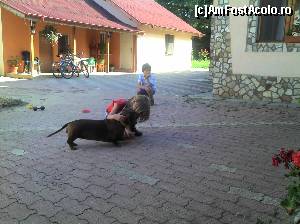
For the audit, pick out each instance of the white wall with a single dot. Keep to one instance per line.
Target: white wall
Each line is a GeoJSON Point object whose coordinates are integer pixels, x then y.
{"type": "Point", "coordinates": [151, 49]}
{"type": "Point", "coordinates": [285, 64]}
{"type": "Point", "coordinates": [126, 51]}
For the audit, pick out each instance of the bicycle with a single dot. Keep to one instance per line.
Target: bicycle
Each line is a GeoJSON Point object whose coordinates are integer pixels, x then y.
{"type": "Point", "coordinates": [74, 65]}
{"type": "Point", "coordinates": [56, 66]}
{"type": "Point", "coordinates": [70, 65]}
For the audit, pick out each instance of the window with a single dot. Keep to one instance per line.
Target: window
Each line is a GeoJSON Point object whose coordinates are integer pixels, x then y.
{"type": "Point", "coordinates": [271, 28]}
{"type": "Point", "coordinates": [63, 44]}
{"type": "Point", "coordinates": [169, 39]}
{"type": "Point", "coordinates": [293, 22]}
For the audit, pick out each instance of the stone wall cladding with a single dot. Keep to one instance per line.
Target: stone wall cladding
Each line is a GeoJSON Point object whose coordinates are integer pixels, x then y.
{"type": "Point", "coordinates": [244, 86]}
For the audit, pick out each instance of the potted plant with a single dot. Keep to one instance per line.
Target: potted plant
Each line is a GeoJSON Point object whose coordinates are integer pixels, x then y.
{"type": "Point", "coordinates": [293, 34]}
{"type": "Point", "coordinates": [14, 63]}
{"type": "Point", "coordinates": [51, 34]}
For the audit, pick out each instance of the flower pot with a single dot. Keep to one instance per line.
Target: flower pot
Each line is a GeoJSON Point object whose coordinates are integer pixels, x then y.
{"type": "Point", "coordinates": [292, 39]}
{"type": "Point", "coordinates": [13, 70]}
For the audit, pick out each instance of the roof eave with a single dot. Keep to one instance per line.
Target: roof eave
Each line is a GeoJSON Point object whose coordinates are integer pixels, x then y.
{"type": "Point", "coordinates": [81, 24]}
{"type": "Point", "coordinates": [194, 34]}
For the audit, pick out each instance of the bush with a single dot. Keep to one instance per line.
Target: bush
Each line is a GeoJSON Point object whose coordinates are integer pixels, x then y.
{"type": "Point", "coordinates": [9, 102]}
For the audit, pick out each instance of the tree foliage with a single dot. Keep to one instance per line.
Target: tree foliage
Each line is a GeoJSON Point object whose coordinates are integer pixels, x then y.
{"type": "Point", "coordinates": [185, 9]}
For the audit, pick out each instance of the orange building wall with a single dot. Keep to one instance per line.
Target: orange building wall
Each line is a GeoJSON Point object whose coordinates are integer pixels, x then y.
{"type": "Point", "coordinates": [83, 42]}
{"type": "Point", "coordinates": [16, 36]}
{"type": "Point", "coordinates": [115, 50]}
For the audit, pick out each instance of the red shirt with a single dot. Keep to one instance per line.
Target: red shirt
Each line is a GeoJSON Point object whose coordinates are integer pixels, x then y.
{"type": "Point", "coordinates": [121, 102]}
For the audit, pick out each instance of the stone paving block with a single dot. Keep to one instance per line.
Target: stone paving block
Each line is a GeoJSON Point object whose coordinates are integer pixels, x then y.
{"type": "Point", "coordinates": [146, 189]}
{"type": "Point", "coordinates": [75, 193]}
{"type": "Point", "coordinates": [36, 219]}
{"type": "Point", "coordinates": [221, 196]}
{"type": "Point", "coordinates": [4, 172]}
{"type": "Point", "coordinates": [178, 221]}
{"type": "Point", "coordinates": [206, 220]}
{"type": "Point", "coordinates": [8, 188]}
{"type": "Point", "coordinates": [123, 190]}
{"type": "Point", "coordinates": [83, 174]}
{"type": "Point", "coordinates": [215, 185]}
{"type": "Point", "coordinates": [98, 192]}
{"type": "Point", "coordinates": [197, 196]}
{"type": "Point", "coordinates": [179, 211]}
{"type": "Point", "coordinates": [235, 219]}
{"type": "Point", "coordinates": [98, 204]}
{"type": "Point", "coordinates": [52, 195]}
{"type": "Point", "coordinates": [5, 219]}
{"type": "Point", "coordinates": [205, 210]}
{"type": "Point", "coordinates": [174, 198]}
{"type": "Point", "coordinates": [124, 215]}
{"type": "Point", "coordinates": [154, 214]}
{"type": "Point", "coordinates": [234, 209]}
{"type": "Point", "coordinates": [18, 211]}
{"type": "Point", "coordinates": [77, 182]}
{"type": "Point", "coordinates": [45, 208]}
{"type": "Point", "coordinates": [66, 218]}
{"type": "Point", "coordinates": [170, 187]}
{"type": "Point", "coordinates": [101, 181]}
{"type": "Point", "coordinates": [71, 206]}
{"type": "Point", "coordinates": [25, 197]}
{"type": "Point", "coordinates": [143, 199]}
{"type": "Point", "coordinates": [5, 201]}
{"type": "Point", "coordinates": [123, 202]}
{"type": "Point", "coordinates": [33, 187]}
{"type": "Point", "coordinates": [15, 178]}
{"type": "Point", "coordinates": [95, 217]}
{"type": "Point", "coordinates": [147, 221]}
{"type": "Point", "coordinates": [256, 205]}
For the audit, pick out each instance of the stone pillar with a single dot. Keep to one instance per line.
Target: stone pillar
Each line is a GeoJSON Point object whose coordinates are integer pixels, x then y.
{"type": "Point", "coordinates": [221, 59]}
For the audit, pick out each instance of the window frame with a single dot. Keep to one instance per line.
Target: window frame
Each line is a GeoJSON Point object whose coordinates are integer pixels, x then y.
{"type": "Point", "coordinates": [260, 21]}
{"type": "Point", "coordinates": [169, 37]}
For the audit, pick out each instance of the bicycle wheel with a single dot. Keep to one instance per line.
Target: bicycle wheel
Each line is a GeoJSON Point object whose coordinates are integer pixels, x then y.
{"type": "Point", "coordinates": [85, 70]}
{"type": "Point", "coordinates": [56, 70]}
{"type": "Point", "coordinates": [67, 70]}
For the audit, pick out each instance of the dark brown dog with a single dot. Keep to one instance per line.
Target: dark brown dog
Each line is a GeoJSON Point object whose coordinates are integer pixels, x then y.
{"type": "Point", "coordinates": [99, 130]}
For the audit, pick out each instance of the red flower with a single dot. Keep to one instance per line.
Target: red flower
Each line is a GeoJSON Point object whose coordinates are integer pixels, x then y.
{"type": "Point", "coordinates": [296, 159]}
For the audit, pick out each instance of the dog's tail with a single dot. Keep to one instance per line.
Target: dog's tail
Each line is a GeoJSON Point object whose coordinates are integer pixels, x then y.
{"type": "Point", "coordinates": [58, 130]}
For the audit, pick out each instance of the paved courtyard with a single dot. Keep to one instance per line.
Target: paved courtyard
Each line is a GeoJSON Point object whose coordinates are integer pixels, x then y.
{"type": "Point", "coordinates": [201, 160]}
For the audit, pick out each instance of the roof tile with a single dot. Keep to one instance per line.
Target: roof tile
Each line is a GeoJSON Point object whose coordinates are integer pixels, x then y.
{"type": "Point", "coordinates": [75, 11]}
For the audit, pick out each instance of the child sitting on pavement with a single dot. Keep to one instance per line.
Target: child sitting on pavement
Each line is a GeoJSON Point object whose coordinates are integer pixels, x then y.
{"type": "Point", "coordinates": [147, 83]}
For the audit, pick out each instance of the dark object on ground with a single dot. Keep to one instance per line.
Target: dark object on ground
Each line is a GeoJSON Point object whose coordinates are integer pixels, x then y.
{"type": "Point", "coordinates": [99, 130]}
{"type": "Point", "coordinates": [38, 108]}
